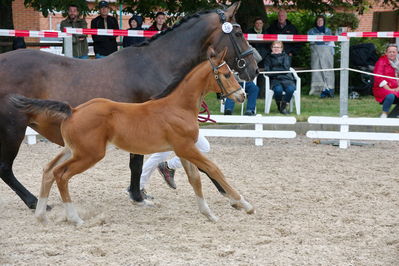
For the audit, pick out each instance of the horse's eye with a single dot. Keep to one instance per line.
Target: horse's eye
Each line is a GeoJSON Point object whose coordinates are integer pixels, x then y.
{"type": "Point", "coordinates": [227, 76]}
{"type": "Point", "coordinates": [239, 34]}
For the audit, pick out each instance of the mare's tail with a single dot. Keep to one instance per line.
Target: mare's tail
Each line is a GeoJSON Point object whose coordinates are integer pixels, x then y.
{"type": "Point", "coordinates": [37, 106]}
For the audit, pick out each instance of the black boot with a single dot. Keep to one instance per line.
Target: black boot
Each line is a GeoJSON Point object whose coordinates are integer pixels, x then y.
{"type": "Point", "coordinates": [278, 105]}
{"type": "Point", "coordinates": [283, 108]}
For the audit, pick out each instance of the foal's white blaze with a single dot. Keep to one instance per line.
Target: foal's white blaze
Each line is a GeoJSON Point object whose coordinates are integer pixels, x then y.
{"type": "Point", "coordinates": [71, 213]}
{"type": "Point", "coordinates": [40, 212]}
{"type": "Point", "coordinates": [205, 210]}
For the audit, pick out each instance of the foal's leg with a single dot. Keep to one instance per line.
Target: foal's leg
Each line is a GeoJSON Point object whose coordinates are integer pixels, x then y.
{"type": "Point", "coordinates": [195, 181]}
{"type": "Point", "coordinates": [47, 182]}
{"type": "Point", "coordinates": [65, 171]}
{"type": "Point", "coordinates": [194, 156]}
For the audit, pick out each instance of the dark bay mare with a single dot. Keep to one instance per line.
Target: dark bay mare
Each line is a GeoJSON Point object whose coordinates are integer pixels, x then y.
{"type": "Point", "coordinates": [134, 74]}
{"type": "Point", "coordinates": [166, 123]}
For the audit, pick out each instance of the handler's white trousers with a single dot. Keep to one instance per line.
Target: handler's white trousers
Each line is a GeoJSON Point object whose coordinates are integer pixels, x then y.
{"type": "Point", "coordinates": [152, 162]}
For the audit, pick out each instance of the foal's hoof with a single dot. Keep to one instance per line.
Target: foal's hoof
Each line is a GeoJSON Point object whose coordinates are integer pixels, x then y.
{"type": "Point", "coordinates": [42, 219]}
{"type": "Point", "coordinates": [251, 211]}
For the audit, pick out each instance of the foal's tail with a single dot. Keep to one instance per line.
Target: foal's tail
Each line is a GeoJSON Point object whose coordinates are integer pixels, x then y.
{"type": "Point", "coordinates": [37, 106]}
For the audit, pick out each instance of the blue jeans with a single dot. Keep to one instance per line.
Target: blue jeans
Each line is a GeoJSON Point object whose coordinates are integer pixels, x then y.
{"type": "Point", "coordinates": [278, 92]}
{"type": "Point", "coordinates": [82, 57]}
{"type": "Point", "coordinates": [388, 101]}
{"type": "Point", "coordinates": [252, 93]}
{"type": "Point", "coordinates": [98, 56]}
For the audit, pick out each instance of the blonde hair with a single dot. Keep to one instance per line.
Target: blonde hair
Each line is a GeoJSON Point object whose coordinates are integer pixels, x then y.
{"type": "Point", "coordinates": [277, 42]}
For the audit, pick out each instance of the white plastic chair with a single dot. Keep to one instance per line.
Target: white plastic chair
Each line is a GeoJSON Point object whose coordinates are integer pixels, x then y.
{"type": "Point", "coordinates": [296, 97]}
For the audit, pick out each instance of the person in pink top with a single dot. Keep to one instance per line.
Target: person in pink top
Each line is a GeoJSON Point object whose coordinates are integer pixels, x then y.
{"type": "Point", "coordinates": [386, 90]}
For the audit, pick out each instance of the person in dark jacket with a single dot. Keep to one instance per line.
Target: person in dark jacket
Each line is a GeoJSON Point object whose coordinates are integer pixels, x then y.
{"type": "Point", "coordinates": [135, 23]}
{"type": "Point", "coordinates": [159, 23]}
{"type": "Point", "coordinates": [283, 26]}
{"type": "Point", "coordinates": [104, 45]}
{"type": "Point", "coordinates": [278, 60]}
{"type": "Point", "coordinates": [261, 47]}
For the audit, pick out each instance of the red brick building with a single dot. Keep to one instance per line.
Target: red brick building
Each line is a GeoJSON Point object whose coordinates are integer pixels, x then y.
{"type": "Point", "coordinates": [376, 19]}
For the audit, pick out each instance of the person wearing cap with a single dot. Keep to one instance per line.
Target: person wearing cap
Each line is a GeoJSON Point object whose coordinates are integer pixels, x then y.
{"type": "Point", "coordinates": [104, 45]}
{"type": "Point", "coordinates": [159, 23]}
{"type": "Point", "coordinates": [135, 23]}
{"type": "Point", "coordinates": [80, 48]}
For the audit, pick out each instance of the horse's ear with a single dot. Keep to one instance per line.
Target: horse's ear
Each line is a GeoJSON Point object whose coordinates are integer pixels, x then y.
{"type": "Point", "coordinates": [222, 55]}
{"type": "Point", "coordinates": [211, 52]}
{"type": "Point", "coordinates": [232, 10]}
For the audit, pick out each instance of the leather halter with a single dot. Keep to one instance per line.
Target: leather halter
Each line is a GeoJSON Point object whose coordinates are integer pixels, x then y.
{"type": "Point", "coordinates": [240, 56]}
{"type": "Point", "coordinates": [224, 94]}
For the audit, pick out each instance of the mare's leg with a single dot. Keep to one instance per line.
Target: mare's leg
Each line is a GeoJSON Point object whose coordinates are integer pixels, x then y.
{"type": "Point", "coordinates": [195, 181]}
{"type": "Point", "coordinates": [47, 182]}
{"type": "Point", "coordinates": [194, 156]}
{"type": "Point", "coordinates": [12, 133]}
{"type": "Point", "coordinates": [136, 167]}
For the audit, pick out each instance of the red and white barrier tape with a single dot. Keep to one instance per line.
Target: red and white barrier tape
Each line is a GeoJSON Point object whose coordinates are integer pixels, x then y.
{"type": "Point", "coordinates": [148, 34]}
{"type": "Point", "coordinates": [381, 34]}
{"type": "Point", "coordinates": [105, 32]}
{"type": "Point", "coordinates": [32, 33]}
{"type": "Point", "coordinates": [295, 38]}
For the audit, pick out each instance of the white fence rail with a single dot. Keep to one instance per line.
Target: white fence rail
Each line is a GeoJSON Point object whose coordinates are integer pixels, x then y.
{"type": "Point", "coordinates": [344, 136]}
{"type": "Point", "coordinates": [258, 133]}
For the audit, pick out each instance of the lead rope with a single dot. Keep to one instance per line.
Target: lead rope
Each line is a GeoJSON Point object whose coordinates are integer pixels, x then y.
{"type": "Point", "coordinates": [205, 109]}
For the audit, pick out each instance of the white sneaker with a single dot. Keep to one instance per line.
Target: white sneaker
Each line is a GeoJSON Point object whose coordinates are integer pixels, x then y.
{"type": "Point", "coordinates": [383, 115]}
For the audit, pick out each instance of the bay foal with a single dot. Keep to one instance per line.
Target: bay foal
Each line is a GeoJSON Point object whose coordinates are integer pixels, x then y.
{"type": "Point", "coordinates": [166, 123]}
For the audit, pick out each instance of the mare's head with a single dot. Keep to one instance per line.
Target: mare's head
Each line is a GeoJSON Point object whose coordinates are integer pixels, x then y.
{"type": "Point", "coordinates": [223, 80]}
{"type": "Point", "coordinates": [228, 33]}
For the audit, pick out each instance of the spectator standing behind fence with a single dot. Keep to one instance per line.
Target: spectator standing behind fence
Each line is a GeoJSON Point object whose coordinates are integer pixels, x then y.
{"type": "Point", "coordinates": [159, 23]}
{"type": "Point", "coordinates": [261, 47]}
{"type": "Point", "coordinates": [135, 23]}
{"type": "Point", "coordinates": [104, 45]}
{"type": "Point", "coordinates": [278, 60]}
{"type": "Point", "coordinates": [79, 41]}
{"type": "Point", "coordinates": [283, 26]}
{"type": "Point", "coordinates": [386, 90]}
{"type": "Point", "coordinates": [322, 57]}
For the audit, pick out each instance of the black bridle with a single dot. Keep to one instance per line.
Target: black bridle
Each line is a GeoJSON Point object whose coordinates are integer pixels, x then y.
{"type": "Point", "coordinates": [240, 56]}
{"type": "Point", "coordinates": [224, 94]}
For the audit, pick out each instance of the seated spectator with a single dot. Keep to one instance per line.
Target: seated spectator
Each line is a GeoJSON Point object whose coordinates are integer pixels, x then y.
{"type": "Point", "coordinates": [278, 60]}
{"type": "Point", "coordinates": [283, 26]}
{"type": "Point", "coordinates": [386, 90]}
{"type": "Point", "coordinates": [322, 56]}
{"type": "Point", "coordinates": [159, 23]}
{"type": "Point", "coordinates": [135, 23]}
{"type": "Point", "coordinates": [252, 93]}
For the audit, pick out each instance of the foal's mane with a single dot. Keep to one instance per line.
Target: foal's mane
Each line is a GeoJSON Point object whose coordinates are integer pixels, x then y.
{"type": "Point", "coordinates": [176, 25]}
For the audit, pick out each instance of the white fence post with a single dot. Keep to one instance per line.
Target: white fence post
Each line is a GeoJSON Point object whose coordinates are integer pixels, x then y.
{"type": "Point", "coordinates": [344, 129]}
{"type": "Point", "coordinates": [344, 79]}
{"type": "Point", "coordinates": [68, 46]}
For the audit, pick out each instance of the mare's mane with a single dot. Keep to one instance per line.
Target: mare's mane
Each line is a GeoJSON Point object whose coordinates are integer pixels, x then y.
{"type": "Point", "coordinates": [176, 25]}
{"type": "Point", "coordinates": [178, 76]}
